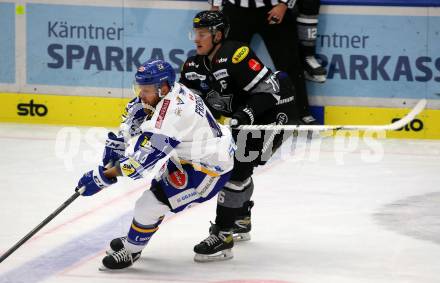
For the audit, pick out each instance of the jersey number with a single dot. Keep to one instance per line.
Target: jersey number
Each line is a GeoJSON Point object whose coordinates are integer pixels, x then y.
{"type": "Point", "coordinates": [311, 33]}
{"type": "Point", "coordinates": [221, 197]}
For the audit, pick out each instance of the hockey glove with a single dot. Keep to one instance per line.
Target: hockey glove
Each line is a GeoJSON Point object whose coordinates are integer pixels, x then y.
{"type": "Point", "coordinates": [244, 116]}
{"type": "Point", "coordinates": [114, 149]}
{"type": "Point", "coordinates": [94, 181]}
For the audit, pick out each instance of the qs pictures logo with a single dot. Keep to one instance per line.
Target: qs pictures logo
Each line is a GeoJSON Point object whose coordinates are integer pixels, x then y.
{"type": "Point", "coordinates": [32, 109]}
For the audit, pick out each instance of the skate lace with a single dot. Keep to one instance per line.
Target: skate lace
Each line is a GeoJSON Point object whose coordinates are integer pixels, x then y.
{"type": "Point", "coordinates": [311, 60]}
{"type": "Point", "coordinates": [124, 239]}
{"type": "Point", "coordinates": [212, 239]}
{"type": "Point", "coordinates": [121, 256]}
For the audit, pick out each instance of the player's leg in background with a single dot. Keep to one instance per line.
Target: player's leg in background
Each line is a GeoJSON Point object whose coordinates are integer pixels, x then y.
{"type": "Point", "coordinates": [206, 184]}
{"type": "Point", "coordinates": [307, 32]}
{"type": "Point", "coordinates": [233, 213]}
{"type": "Point", "coordinates": [234, 201]}
{"type": "Point", "coordinates": [282, 44]}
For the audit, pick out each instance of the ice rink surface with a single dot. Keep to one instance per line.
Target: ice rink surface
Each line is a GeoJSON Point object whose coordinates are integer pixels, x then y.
{"type": "Point", "coordinates": [330, 210]}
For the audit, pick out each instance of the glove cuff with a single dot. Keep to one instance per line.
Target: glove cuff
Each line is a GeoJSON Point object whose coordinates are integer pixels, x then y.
{"type": "Point", "coordinates": [244, 116]}
{"type": "Point", "coordinates": [250, 114]}
{"type": "Point", "coordinates": [115, 142]}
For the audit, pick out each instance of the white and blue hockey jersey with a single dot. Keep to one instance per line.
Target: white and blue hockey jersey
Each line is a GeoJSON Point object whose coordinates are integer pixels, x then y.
{"type": "Point", "coordinates": [181, 129]}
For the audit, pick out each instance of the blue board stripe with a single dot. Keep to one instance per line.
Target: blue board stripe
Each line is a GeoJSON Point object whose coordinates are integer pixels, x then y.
{"type": "Point", "coordinates": [61, 257]}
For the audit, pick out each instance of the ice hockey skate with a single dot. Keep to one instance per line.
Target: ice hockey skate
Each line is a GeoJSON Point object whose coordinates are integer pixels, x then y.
{"type": "Point", "coordinates": [313, 70]}
{"type": "Point", "coordinates": [216, 247]}
{"type": "Point", "coordinates": [242, 225]}
{"type": "Point", "coordinates": [116, 244]}
{"type": "Point", "coordinates": [241, 229]}
{"type": "Point", "coordinates": [119, 260]}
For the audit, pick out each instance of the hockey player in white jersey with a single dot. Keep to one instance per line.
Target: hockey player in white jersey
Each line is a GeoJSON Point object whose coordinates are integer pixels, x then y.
{"type": "Point", "coordinates": [174, 126]}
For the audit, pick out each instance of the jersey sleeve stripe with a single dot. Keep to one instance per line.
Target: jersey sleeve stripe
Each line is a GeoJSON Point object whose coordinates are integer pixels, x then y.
{"type": "Point", "coordinates": [144, 230]}
{"type": "Point", "coordinates": [305, 20]}
{"type": "Point", "coordinates": [200, 168]}
{"type": "Point", "coordinates": [256, 79]}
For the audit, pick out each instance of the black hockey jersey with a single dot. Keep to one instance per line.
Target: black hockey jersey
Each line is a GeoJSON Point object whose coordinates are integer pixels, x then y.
{"type": "Point", "coordinates": [233, 79]}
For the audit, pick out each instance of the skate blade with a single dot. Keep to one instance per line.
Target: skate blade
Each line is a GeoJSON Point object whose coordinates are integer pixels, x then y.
{"type": "Point", "coordinates": [316, 78]}
{"type": "Point", "coordinates": [105, 269]}
{"type": "Point", "coordinates": [241, 237]}
{"type": "Point", "coordinates": [220, 256]}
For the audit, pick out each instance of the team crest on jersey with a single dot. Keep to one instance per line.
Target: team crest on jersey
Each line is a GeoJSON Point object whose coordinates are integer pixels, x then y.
{"type": "Point", "coordinates": [240, 54]}
{"type": "Point", "coordinates": [254, 65]}
{"type": "Point", "coordinates": [178, 179]}
{"type": "Point", "coordinates": [220, 102]}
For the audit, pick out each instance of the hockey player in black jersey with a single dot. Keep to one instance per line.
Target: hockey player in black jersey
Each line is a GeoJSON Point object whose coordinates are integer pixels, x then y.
{"type": "Point", "coordinates": [235, 84]}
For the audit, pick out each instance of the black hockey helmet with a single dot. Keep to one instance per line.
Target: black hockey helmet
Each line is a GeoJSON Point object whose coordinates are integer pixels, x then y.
{"type": "Point", "coordinates": [214, 20]}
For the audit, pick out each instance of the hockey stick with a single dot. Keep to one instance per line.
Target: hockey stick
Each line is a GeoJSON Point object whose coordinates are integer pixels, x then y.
{"type": "Point", "coordinates": [42, 224]}
{"type": "Point", "coordinates": [388, 127]}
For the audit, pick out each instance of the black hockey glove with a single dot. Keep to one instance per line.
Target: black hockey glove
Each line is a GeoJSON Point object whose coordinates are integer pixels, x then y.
{"type": "Point", "coordinates": [244, 116]}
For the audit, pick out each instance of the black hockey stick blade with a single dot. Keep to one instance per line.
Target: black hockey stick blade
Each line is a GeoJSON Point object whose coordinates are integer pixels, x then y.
{"type": "Point", "coordinates": [42, 224]}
